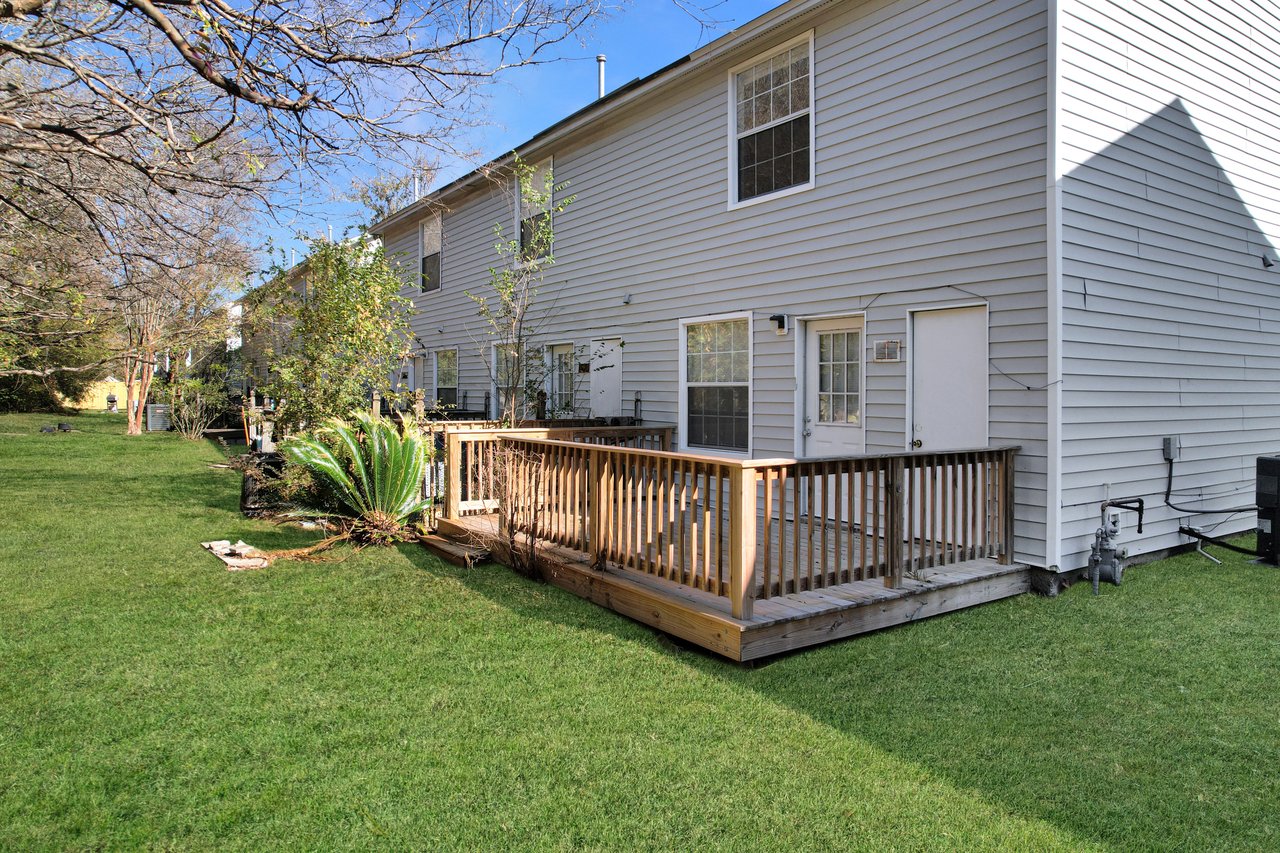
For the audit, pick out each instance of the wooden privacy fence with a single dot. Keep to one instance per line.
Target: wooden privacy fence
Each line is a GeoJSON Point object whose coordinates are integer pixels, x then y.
{"type": "Point", "coordinates": [471, 475]}
{"type": "Point", "coordinates": [748, 529]}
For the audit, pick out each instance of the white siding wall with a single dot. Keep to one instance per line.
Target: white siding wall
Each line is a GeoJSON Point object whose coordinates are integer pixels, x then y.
{"type": "Point", "coordinates": [930, 163]}
{"type": "Point", "coordinates": [1171, 135]}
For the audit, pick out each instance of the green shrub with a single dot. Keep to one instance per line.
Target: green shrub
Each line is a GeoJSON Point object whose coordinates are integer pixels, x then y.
{"type": "Point", "coordinates": [374, 473]}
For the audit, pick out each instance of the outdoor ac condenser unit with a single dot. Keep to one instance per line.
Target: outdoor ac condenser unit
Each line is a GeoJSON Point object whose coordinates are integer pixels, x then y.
{"type": "Point", "coordinates": [1268, 507]}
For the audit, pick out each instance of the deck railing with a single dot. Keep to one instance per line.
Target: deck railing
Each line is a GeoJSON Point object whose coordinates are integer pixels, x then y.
{"type": "Point", "coordinates": [748, 529]}
{"type": "Point", "coordinates": [472, 472]}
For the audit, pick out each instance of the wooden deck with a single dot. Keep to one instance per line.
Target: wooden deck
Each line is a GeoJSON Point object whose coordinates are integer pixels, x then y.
{"type": "Point", "coordinates": [778, 624]}
{"type": "Point", "coordinates": [747, 558]}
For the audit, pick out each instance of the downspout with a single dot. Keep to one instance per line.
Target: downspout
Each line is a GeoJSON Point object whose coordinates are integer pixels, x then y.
{"type": "Point", "coordinates": [1053, 229]}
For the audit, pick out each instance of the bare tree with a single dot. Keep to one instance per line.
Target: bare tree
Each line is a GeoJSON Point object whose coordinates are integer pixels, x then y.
{"type": "Point", "coordinates": [150, 84]}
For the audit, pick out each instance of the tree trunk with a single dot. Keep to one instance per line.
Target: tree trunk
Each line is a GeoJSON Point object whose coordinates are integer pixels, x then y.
{"type": "Point", "coordinates": [143, 371]}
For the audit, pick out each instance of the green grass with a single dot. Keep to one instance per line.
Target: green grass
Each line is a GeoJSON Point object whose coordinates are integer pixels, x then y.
{"type": "Point", "coordinates": [150, 699]}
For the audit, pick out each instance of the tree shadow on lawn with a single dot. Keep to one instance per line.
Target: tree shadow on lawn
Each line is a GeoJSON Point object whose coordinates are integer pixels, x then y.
{"type": "Point", "coordinates": [1093, 715]}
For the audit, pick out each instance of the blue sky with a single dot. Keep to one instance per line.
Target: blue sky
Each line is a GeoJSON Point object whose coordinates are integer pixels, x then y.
{"type": "Point", "coordinates": [638, 39]}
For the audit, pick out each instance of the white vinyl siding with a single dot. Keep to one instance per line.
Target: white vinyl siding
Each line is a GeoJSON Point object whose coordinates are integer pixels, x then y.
{"type": "Point", "coordinates": [932, 126]}
{"type": "Point", "coordinates": [1171, 322]}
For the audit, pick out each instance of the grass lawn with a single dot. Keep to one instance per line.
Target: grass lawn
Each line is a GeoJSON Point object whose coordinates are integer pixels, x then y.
{"type": "Point", "coordinates": [150, 699]}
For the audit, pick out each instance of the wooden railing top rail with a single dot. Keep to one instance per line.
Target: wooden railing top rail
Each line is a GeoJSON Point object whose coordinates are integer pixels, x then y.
{"type": "Point", "coordinates": [753, 463]}
{"type": "Point", "coordinates": [528, 432]}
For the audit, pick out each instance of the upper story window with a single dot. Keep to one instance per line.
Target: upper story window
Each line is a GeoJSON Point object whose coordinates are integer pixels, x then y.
{"type": "Point", "coordinates": [717, 395]}
{"type": "Point", "coordinates": [772, 121]}
{"type": "Point", "coordinates": [432, 239]}
{"type": "Point", "coordinates": [534, 214]}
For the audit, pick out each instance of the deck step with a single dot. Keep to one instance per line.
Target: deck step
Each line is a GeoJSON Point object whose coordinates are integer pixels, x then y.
{"type": "Point", "coordinates": [458, 553]}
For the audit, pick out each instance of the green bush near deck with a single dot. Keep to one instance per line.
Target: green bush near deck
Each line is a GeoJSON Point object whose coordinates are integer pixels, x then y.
{"type": "Point", "coordinates": [150, 699]}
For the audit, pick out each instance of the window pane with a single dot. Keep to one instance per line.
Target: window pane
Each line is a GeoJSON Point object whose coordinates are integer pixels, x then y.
{"type": "Point", "coordinates": [717, 406]}
{"type": "Point", "coordinates": [853, 412]}
{"type": "Point", "coordinates": [799, 95]}
{"type": "Point", "coordinates": [447, 368]}
{"type": "Point", "coordinates": [534, 241]}
{"type": "Point", "coordinates": [779, 155]}
{"type": "Point", "coordinates": [782, 100]}
{"type": "Point", "coordinates": [800, 166]}
{"type": "Point", "coordinates": [824, 377]}
{"type": "Point", "coordinates": [430, 272]}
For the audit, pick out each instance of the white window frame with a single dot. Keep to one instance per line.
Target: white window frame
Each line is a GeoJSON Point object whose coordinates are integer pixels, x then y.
{"type": "Point", "coordinates": [438, 218]}
{"type": "Point", "coordinates": [550, 364]}
{"type": "Point", "coordinates": [435, 375]}
{"type": "Point", "coordinates": [549, 164]}
{"type": "Point", "coordinates": [732, 89]}
{"type": "Point", "coordinates": [682, 408]}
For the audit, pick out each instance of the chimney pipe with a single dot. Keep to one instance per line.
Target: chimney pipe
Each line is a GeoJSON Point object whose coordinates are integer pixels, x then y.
{"type": "Point", "coordinates": [600, 68]}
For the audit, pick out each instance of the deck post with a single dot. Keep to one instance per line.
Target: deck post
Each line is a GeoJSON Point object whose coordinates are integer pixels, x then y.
{"type": "Point", "coordinates": [742, 541]}
{"type": "Point", "coordinates": [1006, 507]}
{"type": "Point", "coordinates": [453, 475]}
{"type": "Point", "coordinates": [595, 508]}
{"type": "Point", "coordinates": [893, 533]}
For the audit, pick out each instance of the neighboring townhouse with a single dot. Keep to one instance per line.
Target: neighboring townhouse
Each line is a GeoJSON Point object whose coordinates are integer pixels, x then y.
{"type": "Point", "coordinates": [859, 227]}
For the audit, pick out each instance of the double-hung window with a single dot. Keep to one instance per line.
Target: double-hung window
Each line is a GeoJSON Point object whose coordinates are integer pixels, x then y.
{"type": "Point", "coordinates": [563, 369]}
{"type": "Point", "coordinates": [534, 215]}
{"type": "Point", "coordinates": [431, 243]}
{"type": "Point", "coordinates": [717, 358]}
{"type": "Point", "coordinates": [772, 121]}
{"type": "Point", "coordinates": [447, 377]}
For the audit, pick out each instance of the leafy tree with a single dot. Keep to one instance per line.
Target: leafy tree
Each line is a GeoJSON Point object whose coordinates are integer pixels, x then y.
{"type": "Point", "coordinates": [341, 328]}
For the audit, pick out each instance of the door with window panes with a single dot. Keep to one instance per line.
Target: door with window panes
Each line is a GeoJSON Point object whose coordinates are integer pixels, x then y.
{"type": "Point", "coordinates": [833, 416]}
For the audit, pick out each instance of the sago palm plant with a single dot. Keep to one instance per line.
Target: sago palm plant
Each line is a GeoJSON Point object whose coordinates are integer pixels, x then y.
{"type": "Point", "coordinates": [373, 471]}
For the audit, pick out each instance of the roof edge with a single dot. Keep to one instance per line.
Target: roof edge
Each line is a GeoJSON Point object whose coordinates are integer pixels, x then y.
{"type": "Point", "coordinates": [624, 95]}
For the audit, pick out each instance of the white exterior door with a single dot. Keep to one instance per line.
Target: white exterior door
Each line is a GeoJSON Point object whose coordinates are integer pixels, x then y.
{"type": "Point", "coordinates": [833, 399]}
{"type": "Point", "coordinates": [606, 378]}
{"type": "Point", "coordinates": [949, 379]}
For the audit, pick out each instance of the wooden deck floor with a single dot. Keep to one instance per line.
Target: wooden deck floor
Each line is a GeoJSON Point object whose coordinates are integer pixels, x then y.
{"type": "Point", "coordinates": [781, 623]}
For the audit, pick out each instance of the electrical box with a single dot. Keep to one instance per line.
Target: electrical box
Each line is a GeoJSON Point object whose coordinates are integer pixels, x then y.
{"type": "Point", "coordinates": [1268, 497]}
{"type": "Point", "coordinates": [1172, 447]}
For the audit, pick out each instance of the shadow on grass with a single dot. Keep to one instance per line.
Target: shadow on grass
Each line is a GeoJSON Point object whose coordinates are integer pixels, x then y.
{"type": "Point", "coordinates": [1096, 715]}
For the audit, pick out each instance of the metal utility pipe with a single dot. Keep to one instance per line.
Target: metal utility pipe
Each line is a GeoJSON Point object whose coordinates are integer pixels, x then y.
{"type": "Point", "coordinates": [600, 59]}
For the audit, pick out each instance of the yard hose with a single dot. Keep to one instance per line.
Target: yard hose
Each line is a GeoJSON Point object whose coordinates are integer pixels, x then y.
{"type": "Point", "coordinates": [1196, 534]}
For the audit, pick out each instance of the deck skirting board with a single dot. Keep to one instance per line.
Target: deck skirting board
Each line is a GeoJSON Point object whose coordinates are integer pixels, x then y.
{"type": "Point", "coordinates": [760, 641]}
{"type": "Point", "coordinates": [721, 634]}
{"type": "Point", "coordinates": [788, 622]}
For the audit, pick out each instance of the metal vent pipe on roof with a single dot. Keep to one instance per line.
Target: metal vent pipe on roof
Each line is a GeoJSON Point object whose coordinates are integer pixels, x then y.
{"type": "Point", "coordinates": [600, 59]}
